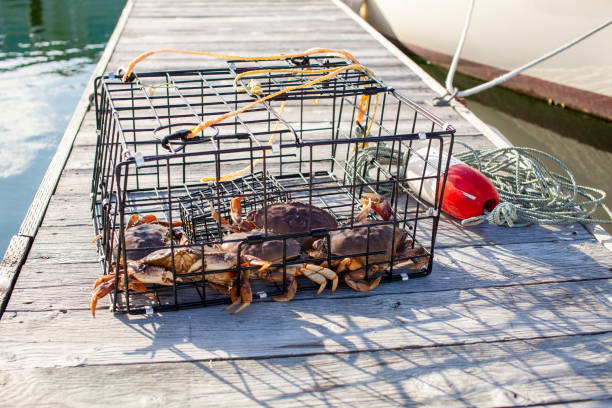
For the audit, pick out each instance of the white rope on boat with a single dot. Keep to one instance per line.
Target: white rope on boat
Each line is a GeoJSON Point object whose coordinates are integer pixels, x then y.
{"type": "Point", "coordinates": [496, 81]}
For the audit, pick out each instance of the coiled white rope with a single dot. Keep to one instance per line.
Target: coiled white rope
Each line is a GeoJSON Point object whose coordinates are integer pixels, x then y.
{"type": "Point", "coordinates": [454, 92]}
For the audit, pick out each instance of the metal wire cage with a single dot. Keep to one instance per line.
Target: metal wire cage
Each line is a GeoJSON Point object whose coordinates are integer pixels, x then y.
{"type": "Point", "coordinates": [324, 145]}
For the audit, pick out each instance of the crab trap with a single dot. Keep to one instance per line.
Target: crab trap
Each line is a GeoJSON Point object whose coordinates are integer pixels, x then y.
{"type": "Point", "coordinates": [298, 179]}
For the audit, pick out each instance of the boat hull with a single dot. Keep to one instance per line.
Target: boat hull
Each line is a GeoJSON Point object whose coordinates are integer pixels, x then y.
{"type": "Point", "coordinates": [505, 35]}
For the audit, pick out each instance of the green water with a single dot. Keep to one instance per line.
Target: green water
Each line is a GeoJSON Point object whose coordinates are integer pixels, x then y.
{"type": "Point", "coordinates": [47, 53]}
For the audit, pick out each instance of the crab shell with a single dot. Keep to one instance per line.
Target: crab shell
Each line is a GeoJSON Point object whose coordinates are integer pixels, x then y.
{"type": "Point", "coordinates": [142, 240]}
{"type": "Point", "coordinates": [190, 259]}
{"type": "Point", "coordinates": [150, 274]}
{"type": "Point", "coordinates": [293, 217]}
{"type": "Point", "coordinates": [271, 251]}
{"type": "Point", "coordinates": [351, 241]}
{"type": "Point", "coordinates": [185, 259]}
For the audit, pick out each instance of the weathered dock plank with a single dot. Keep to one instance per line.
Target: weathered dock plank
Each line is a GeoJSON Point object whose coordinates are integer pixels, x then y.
{"type": "Point", "coordinates": [518, 372]}
{"type": "Point", "coordinates": [13, 259]}
{"type": "Point", "coordinates": [327, 325]}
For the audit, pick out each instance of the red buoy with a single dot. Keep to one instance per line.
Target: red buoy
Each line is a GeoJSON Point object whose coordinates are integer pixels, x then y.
{"type": "Point", "coordinates": [467, 191]}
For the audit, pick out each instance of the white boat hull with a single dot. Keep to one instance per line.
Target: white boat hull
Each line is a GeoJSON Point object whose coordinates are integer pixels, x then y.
{"type": "Point", "coordinates": [504, 35]}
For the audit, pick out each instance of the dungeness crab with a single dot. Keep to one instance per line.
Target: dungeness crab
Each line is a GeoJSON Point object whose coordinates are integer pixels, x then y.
{"type": "Point", "coordinates": [142, 236]}
{"type": "Point", "coordinates": [282, 218]}
{"type": "Point", "coordinates": [384, 240]}
{"type": "Point", "coordinates": [271, 251]}
{"type": "Point", "coordinates": [267, 254]}
{"type": "Point", "coordinates": [156, 268]}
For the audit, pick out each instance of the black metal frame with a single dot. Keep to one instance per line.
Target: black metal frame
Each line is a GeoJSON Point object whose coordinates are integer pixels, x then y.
{"type": "Point", "coordinates": [312, 160]}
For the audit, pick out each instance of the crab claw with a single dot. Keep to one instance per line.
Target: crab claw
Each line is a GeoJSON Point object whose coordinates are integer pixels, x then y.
{"type": "Point", "coordinates": [380, 205]}
{"type": "Point", "coordinates": [104, 278]}
{"type": "Point", "coordinates": [147, 219]}
{"type": "Point", "coordinates": [236, 214]}
{"type": "Point", "coordinates": [319, 274]}
{"type": "Point", "coordinates": [360, 285]}
{"type": "Point", "coordinates": [356, 275]}
{"type": "Point", "coordinates": [291, 287]}
{"type": "Point", "coordinates": [132, 221]}
{"type": "Point", "coordinates": [350, 264]}
{"type": "Point", "coordinates": [246, 295]}
{"type": "Point", "coordinates": [236, 210]}
{"type": "Point", "coordinates": [101, 289]}
{"type": "Point", "coordinates": [365, 211]}
{"type": "Point", "coordinates": [224, 223]}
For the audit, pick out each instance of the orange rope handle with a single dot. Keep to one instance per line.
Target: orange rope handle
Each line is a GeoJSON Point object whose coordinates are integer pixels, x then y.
{"type": "Point", "coordinates": [306, 53]}
{"type": "Point", "coordinates": [362, 113]}
{"type": "Point", "coordinates": [364, 103]}
{"type": "Point", "coordinates": [220, 118]}
{"type": "Point", "coordinates": [363, 106]}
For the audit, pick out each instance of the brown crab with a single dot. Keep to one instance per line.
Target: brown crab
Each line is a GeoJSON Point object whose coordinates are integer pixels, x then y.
{"type": "Point", "coordinates": [156, 268]}
{"type": "Point", "coordinates": [268, 253]}
{"type": "Point", "coordinates": [142, 236]}
{"type": "Point", "coordinates": [282, 218]}
{"type": "Point", "coordinates": [138, 275]}
{"type": "Point", "coordinates": [384, 240]}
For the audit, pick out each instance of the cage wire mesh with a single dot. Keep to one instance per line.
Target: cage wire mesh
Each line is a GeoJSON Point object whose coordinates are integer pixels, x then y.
{"type": "Point", "coordinates": [310, 145]}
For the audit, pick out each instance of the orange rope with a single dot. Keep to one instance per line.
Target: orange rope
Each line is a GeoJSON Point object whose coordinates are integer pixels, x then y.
{"type": "Point", "coordinates": [220, 118]}
{"type": "Point", "coordinates": [306, 53]}
{"type": "Point", "coordinates": [363, 105]}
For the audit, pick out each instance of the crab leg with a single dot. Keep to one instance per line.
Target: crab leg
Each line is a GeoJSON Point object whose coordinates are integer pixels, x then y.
{"type": "Point", "coordinates": [365, 211]}
{"type": "Point", "coordinates": [138, 275]}
{"type": "Point", "coordinates": [356, 281]}
{"type": "Point", "coordinates": [99, 292]}
{"type": "Point", "coordinates": [224, 223]}
{"type": "Point", "coordinates": [243, 293]}
{"type": "Point", "coordinates": [132, 221]}
{"type": "Point", "coordinates": [291, 287]}
{"type": "Point", "coordinates": [356, 274]}
{"type": "Point", "coordinates": [275, 276]}
{"type": "Point", "coordinates": [104, 278]}
{"type": "Point", "coordinates": [419, 262]}
{"type": "Point", "coordinates": [236, 210]}
{"type": "Point", "coordinates": [246, 295]}
{"type": "Point", "coordinates": [380, 205]}
{"type": "Point", "coordinates": [234, 296]}
{"type": "Point", "coordinates": [319, 274]}
{"type": "Point", "coordinates": [236, 214]}
{"type": "Point", "coordinates": [219, 288]}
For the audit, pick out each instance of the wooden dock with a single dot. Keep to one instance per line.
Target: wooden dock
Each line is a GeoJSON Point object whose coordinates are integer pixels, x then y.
{"type": "Point", "coordinates": [509, 317]}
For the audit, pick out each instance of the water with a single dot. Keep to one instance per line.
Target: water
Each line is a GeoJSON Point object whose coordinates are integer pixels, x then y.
{"type": "Point", "coordinates": [47, 53]}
